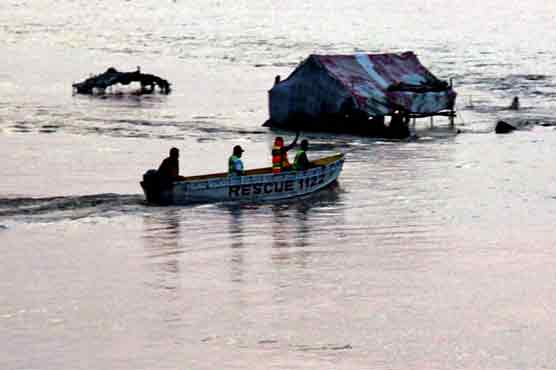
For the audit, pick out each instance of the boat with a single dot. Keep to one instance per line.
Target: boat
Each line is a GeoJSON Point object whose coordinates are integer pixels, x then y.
{"type": "Point", "coordinates": [257, 185]}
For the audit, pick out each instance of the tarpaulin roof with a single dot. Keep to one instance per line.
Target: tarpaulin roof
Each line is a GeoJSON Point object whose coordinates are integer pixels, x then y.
{"type": "Point", "coordinates": [385, 82]}
{"type": "Point", "coordinates": [378, 84]}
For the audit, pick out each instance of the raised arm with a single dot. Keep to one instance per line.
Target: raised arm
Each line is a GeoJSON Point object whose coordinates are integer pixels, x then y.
{"type": "Point", "coordinates": [289, 147]}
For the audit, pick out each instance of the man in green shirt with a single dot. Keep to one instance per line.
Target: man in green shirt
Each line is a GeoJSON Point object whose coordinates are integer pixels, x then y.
{"type": "Point", "coordinates": [235, 165]}
{"type": "Point", "coordinates": [301, 162]}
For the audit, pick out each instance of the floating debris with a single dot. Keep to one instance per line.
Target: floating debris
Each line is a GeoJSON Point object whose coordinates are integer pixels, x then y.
{"type": "Point", "coordinates": [503, 127]}
{"type": "Point", "coordinates": [515, 104]}
{"type": "Point", "coordinates": [101, 82]}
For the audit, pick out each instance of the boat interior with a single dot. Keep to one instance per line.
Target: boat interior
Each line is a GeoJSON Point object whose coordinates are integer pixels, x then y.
{"type": "Point", "coordinates": [265, 170]}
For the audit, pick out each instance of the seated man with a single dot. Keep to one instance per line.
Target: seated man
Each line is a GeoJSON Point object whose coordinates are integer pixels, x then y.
{"type": "Point", "coordinates": [235, 165]}
{"type": "Point", "coordinates": [301, 162]}
{"type": "Point", "coordinates": [169, 170]}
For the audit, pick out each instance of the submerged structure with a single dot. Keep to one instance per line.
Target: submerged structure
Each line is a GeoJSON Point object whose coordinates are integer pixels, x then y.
{"type": "Point", "coordinates": [101, 82]}
{"type": "Point", "coordinates": [354, 94]}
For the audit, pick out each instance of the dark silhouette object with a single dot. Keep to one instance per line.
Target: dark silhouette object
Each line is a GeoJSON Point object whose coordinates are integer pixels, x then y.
{"type": "Point", "coordinates": [399, 125]}
{"type": "Point", "coordinates": [503, 127]}
{"type": "Point", "coordinates": [151, 186]}
{"type": "Point", "coordinates": [352, 120]}
{"type": "Point", "coordinates": [432, 84]}
{"type": "Point", "coordinates": [112, 76]}
{"type": "Point", "coordinates": [156, 183]}
{"type": "Point", "coordinates": [515, 104]}
{"type": "Point", "coordinates": [277, 80]}
{"type": "Point", "coordinates": [169, 170]}
{"type": "Point", "coordinates": [356, 122]}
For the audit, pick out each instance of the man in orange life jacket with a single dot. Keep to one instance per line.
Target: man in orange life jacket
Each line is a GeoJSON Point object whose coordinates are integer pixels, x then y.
{"type": "Point", "coordinates": [280, 154]}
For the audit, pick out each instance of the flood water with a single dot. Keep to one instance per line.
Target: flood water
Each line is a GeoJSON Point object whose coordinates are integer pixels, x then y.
{"type": "Point", "coordinates": [434, 253]}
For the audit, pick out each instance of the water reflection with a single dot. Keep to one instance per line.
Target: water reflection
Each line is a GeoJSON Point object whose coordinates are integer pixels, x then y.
{"type": "Point", "coordinates": [280, 226]}
{"type": "Point", "coordinates": [289, 227]}
{"type": "Point", "coordinates": [296, 224]}
{"type": "Point", "coordinates": [162, 234]}
{"type": "Point", "coordinates": [237, 231]}
{"type": "Point", "coordinates": [163, 246]}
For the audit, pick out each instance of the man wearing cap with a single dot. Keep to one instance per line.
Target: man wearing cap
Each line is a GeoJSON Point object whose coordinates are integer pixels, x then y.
{"type": "Point", "coordinates": [235, 165]}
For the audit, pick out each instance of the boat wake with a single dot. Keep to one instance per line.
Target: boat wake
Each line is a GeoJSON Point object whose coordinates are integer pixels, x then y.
{"type": "Point", "coordinates": [69, 207]}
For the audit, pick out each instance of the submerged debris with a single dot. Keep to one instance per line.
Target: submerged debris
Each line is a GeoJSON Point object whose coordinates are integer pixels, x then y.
{"type": "Point", "coordinates": [515, 104]}
{"type": "Point", "coordinates": [503, 127]}
{"type": "Point", "coordinates": [112, 76]}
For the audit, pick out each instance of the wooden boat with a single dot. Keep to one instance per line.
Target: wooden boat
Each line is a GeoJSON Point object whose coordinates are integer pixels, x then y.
{"type": "Point", "coordinates": [257, 185]}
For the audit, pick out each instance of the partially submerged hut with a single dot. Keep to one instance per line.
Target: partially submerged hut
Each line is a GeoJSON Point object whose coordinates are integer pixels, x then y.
{"type": "Point", "coordinates": [353, 94]}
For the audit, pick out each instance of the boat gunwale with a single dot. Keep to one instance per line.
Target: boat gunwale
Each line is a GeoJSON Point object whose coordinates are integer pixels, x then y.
{"type": "Point", "coordinates": [324, 161]}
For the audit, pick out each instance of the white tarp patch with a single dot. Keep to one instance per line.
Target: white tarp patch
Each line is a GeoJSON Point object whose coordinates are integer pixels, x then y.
{"type": "Point", "coordinates": [367, 65]}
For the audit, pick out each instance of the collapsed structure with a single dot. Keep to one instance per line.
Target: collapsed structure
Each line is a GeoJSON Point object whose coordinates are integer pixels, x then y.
{"type": "Point", "coordinates": [112, 76]}
{"type": "Point", "coordinates": [353, 94]}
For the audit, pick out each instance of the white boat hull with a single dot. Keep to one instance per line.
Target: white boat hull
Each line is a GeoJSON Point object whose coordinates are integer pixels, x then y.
{"type": "Point", "coordinates": [256, 186]}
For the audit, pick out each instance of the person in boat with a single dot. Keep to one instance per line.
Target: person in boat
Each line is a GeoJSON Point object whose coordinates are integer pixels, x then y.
{"type": "Point", "coordinates": [515, 104]}
{"type": "Point", "coordinates": [280, 154]}
{"type": "Point", "coordinates": [169, 169]}
{"type": "Point", "coordinates": [301, 162]}
{"type": "Point", "coordinates": [235, 165]}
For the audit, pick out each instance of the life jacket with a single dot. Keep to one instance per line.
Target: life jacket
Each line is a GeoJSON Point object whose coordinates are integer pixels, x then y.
{"type": "Point", "coordinates": [298, 155]}
{"type": "Point", "coordinates": [233, 164]}
{"type": "Point", "coordinates": [279, 159]}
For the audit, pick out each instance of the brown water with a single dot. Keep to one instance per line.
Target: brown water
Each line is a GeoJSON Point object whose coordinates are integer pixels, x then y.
{"type": "Point", "coordinates": [435, 253]}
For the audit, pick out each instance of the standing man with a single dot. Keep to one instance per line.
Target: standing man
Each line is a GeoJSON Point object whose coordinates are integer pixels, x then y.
{"type": "Point", "coordinates": [280, 154]}
{"type": "Point", "coordinates": [235, 165]}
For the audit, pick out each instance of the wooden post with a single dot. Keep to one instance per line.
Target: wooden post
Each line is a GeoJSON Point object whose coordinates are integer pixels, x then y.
{"type": "Point", "coordinates": [432, 121]}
